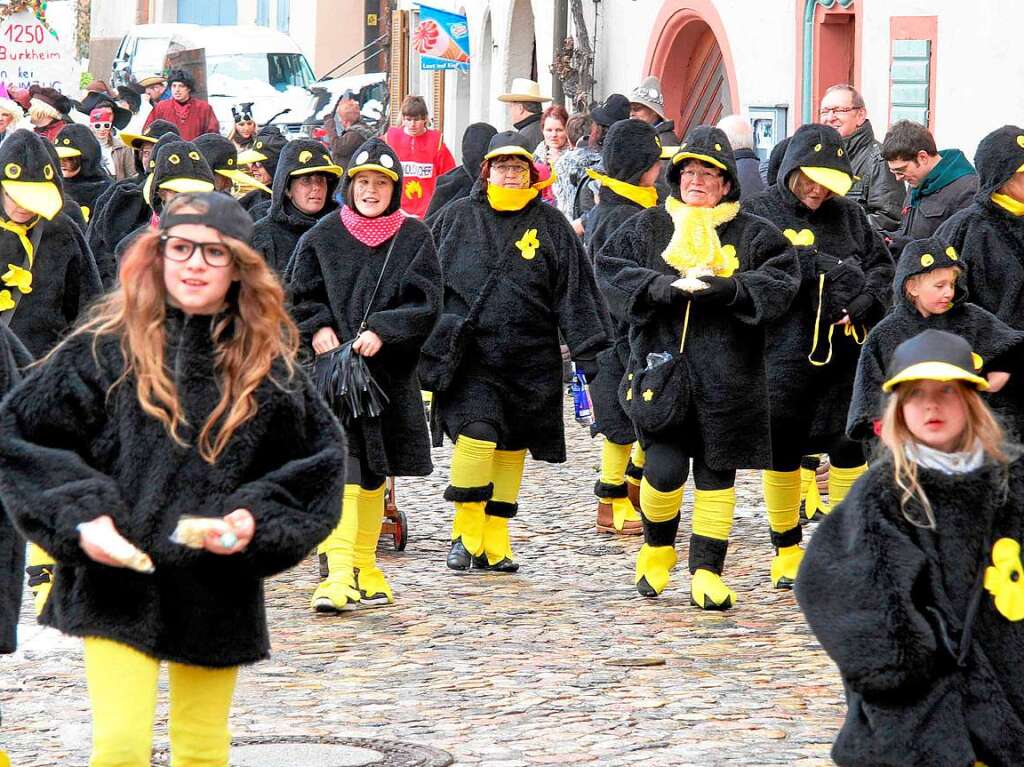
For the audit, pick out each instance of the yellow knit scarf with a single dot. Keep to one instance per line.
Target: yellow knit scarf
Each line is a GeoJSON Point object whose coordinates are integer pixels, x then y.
{"type": "Point", "coordinates": [695, 243]}
{"type": "Point", "coordinates": [644, 196]}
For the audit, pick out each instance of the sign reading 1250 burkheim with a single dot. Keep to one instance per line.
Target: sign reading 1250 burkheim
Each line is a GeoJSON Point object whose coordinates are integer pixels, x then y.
{"type": "Point", "coordinates": [35, 47]}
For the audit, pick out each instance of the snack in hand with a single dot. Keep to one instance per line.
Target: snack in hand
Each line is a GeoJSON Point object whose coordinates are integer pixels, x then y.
{"type": "Point", "coordinates": [117, 547]}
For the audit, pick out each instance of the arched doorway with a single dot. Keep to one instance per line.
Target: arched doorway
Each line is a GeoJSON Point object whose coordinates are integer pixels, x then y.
{"type": "Point", "coordinates": [483, 73]}
{"type": "Point", "coordinates": [829, 51]}
{"type": "Point", "coordinates": [521, 52]}
{"type": "Point", "coordinates": [689, 53]}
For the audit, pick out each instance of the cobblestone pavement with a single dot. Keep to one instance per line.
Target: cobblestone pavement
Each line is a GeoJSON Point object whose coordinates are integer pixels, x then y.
{"type": "Point", "coordinates": [561, 664]}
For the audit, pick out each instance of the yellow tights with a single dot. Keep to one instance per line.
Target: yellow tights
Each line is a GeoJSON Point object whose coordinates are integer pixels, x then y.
{"type": "Point", "coordinates": [122, 690]}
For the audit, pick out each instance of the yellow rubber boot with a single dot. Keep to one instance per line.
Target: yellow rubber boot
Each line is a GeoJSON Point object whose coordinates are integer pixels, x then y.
{"type": "Point", "coordinates": [471, 487]}
{"type": "Point", "coordinates": [339, 592]}
{"type": "Point", "coordinates": [782, 501]}
{"type": "Point", "coordinates": [374, 589]}
{"type": "Point", "coordinates": [615, 511]}
{"type": "Point", "coordinates": [657, 556]}
{"type": "Point", "coordinates": [840, 481]}
{"type": "Point", "coordinates": [712, 524]}
{"type": "Point", "coordinates": [40, 569]}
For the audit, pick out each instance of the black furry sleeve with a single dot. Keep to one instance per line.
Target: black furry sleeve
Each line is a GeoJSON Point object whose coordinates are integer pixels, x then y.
{"type": "Point", "coordinates": [857, 586]}
{"type": "Point", "coordinates": [413, 316]}
{"type": "Point", "coordinates": [304, 280]}
{"type": "Point", "coordinates": [582, 314]}
{"type": "Point", "coordinates": [83, 284]}
{"type": "Point", "coordinates": [866, 402]}
{"type": "Point", "coordinates": [297, 503]}
{"type": "Point", "coordinates": [622, 275]}
{"type": "Point", "coordinates": [46, 425]}
{"type": "Point", "coordinates": [772, 281]}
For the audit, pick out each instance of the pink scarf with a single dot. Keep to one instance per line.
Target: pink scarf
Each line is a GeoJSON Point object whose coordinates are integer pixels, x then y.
{"type": "Point", "coordinates": [371, 231]}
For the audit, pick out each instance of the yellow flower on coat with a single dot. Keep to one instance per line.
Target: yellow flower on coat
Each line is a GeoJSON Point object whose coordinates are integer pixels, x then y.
{"type": "Point", "coordinates": [1004, 580]}
{"type": "Point", "coordinates": [648, 395]}
{"type": "Point", "coordinates": [6, 302]}
{"type": "Point", "coordinates": [730, 263]}
{"type": "Point", "coordinates": [528, 244]}
{"type": "Point", "coordinates": [804, 238]}
{"type": "Point", "coordinates": [16, 277]}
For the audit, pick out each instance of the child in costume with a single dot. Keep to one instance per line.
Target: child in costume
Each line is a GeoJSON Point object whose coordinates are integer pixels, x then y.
{"type": "Point", "coordinates": [368, 275]}
{"type": "Point", "coordinates": [81, 163]}
{"type": "Point", "coordinates": [913, 585]}
{"type": "Point", "coordinates": [846, 287]}
{"type": "Point", "coordinates": [631, 157]}
{"type": "Point", "coordinates": [931, 292]}
{"type": "Point", "coordinates": [515, 275]}
{"type": "Point", "coordinates": [698, 280]}
{"type": "Point", "coordinates": [178, 398]}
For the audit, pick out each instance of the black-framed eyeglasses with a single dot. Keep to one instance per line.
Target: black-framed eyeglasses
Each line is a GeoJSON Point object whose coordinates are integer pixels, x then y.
{"type": "Point", "coordinates": [836, 110]}
{"type": "Point", "coordinates": [180, 249]}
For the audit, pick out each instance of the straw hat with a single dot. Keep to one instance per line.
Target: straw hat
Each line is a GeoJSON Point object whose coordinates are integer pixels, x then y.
{"type": "Point", "coordinates": [524, 90]}
{"type": "Point", "coordinates": [148, 80]}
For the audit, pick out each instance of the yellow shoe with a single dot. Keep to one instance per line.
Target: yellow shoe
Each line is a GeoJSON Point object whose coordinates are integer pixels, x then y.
{"type": "Point", "coordinates": [785, 565]}
{"type": "Point", "coordinates": [374, 589]}
{"type": "Point", "coordinates": [709, 592]}
{"type": "Point", "coordinates": [653, 567]}
{"type": "Point", "coordinates": [337, 593]}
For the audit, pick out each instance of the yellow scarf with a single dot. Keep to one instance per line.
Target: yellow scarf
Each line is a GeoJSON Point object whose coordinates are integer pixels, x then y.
{"type": "Point", "coordinates": [503, 198]}
{"type": "Point", "coordinates": [1011, 204]}
{"type": "Point", "coordinates": [644, 196]}
{"type": "Point", "coordinates": [695, 243]}
{"type": "Point", "coordinates": [22, 231]}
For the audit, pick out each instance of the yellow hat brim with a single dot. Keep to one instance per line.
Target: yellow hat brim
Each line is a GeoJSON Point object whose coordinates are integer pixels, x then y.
{"type": "Point", "coordinates": [132, 140]}
{"type": "Point", "coordinates": [40, 197]}
{"type": "Point", "coordinates": [390, 173]}
{"type": "Point", "coordinates": [834, 180]}
{"type": "Point", "coordinates": [336, 170]}
{"type": "Point", "coordinates": [243, 179]}
{"type": "Point", "coordinates": [934, 371]}
{"type": "Point", "coordinates": [66, 152]}
{"type": "Point", "coordinates": [509, 151]}
{"type": "Point", "coordinates": [678, 157]}
{"type": "Point", "coordinates": [249, 156]}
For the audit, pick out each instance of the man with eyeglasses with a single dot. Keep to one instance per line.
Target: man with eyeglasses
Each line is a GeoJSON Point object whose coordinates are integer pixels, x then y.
{"type": "Point", "coordinates": [874, 186]}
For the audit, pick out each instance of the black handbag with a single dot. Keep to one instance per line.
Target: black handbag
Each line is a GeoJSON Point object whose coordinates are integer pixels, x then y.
{"type": "Point", "coordinates": [839, 282]}
{"type": "Point", "coordinates": [657, 396]}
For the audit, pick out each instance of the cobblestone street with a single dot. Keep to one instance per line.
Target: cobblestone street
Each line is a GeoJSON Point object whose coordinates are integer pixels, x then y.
{"type": "Point", "coordinates": [561, 664]}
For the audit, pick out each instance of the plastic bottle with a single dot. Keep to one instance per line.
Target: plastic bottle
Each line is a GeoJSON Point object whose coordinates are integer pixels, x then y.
{"type": "Point", "coordinates": [581, 398]}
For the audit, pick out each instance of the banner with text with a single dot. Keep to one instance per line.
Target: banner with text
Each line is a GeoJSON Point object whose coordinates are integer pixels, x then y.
{"type": "Point", "coordinates": [39, 50]}
{"type": "Point", "coordinates": [441, 39]}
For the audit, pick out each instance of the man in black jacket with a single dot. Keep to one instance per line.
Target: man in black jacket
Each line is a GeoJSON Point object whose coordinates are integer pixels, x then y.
{"type": "Point", "coordinates": [524, 110]}
{"type": "Point", "coordinates": [874, 186]}
{"type": "Point", "coordinates": [940, 184]}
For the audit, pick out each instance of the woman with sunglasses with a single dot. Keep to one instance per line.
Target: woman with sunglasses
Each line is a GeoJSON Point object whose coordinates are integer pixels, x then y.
{"type": "Point", "coordinates": [171, 454]}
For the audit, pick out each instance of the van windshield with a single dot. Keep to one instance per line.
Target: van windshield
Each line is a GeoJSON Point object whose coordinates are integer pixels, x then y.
{"type": "Point", "coordinates": [149, 56]}
{"type": "Point", "coordinates": [280, 70]}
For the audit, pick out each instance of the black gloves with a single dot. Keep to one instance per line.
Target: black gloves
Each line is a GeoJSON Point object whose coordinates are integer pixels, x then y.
{"type": "Point", "coordinates": [588, 367]}
{"type": "Point", "coordinates": [661, 291]}
{"type": "Point", "coordinates": [719, 290]}
{"type": "Point", "coordinates": [859, 307]}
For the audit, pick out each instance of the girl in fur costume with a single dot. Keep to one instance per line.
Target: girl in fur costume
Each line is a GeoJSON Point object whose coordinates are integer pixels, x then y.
{"type": "Point", "coordinates": [913, 585]}
{"type": "Point", "coordinates": [171, 455]}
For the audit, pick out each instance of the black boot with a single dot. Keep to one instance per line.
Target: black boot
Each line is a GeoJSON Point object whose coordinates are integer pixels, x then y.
{"type": "Point", "coordinates": [458, 557]}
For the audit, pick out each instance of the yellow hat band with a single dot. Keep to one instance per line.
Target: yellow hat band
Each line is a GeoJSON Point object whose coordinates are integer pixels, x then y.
{"type": "Point", "coordinates": [509, 151]}
{"type": "Point", "coordinates": [935, 371]}
{"type": "Point", "coordinates": [678, 157]}
{"type": "Point", "coordinates": [389, 172]}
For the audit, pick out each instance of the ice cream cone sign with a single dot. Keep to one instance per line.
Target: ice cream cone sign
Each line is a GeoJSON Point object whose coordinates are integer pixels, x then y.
{"type": "Point", "coordinates": [441, 39]}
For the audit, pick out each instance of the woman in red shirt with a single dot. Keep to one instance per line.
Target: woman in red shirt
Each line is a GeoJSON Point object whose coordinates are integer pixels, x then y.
{"type": "Point", "coordinates": [423, 155]}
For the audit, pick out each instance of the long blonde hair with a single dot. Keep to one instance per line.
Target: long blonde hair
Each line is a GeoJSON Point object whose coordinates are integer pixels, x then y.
{"type": "Point", "coordinates": [981, 428]}
{"type": "Point", "coordinates": [261, 332]}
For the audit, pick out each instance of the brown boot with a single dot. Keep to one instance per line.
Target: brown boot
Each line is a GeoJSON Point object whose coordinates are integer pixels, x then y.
{"type": "Point", "coordinates": [606, 518]}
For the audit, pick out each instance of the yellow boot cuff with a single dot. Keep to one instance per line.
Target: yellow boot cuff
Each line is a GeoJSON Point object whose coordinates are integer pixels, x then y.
{"type": "Point", "coordinates": [840, 481]}
{"type": "Point", "coordinates": [713, 512]}
{"type": "Point", "coordinates": [472, 462]}
{"type": "Point", "coordinates": [658, 506]}
{"type": "Point", "coordinates": [782, 498]}
{"type": "Point", "coordinates": [614, 459]}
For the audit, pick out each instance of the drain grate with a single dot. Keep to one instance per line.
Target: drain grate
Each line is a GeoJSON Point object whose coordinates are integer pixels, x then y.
{"type": "Point", "coordinates": [285, 751]}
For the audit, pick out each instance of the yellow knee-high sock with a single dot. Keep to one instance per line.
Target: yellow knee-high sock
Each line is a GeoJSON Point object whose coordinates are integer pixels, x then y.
{"type": "Point", "coordinates": [659, 506]}
{"type": "Point", "coordinates": [508, 479]}
{"type": "Point", "coordinates": [339, 590]}
{"type": "Point", "coordinates": [371, 514]}
{"type": "Point", "coordinates": [614, 459]}
{"type": "Point", "coordinates": [471, 487]}
{"type": "Point", "coordinates": [782, 499]}
{"type": "Point", "coordinates": [840, 481]}
{"type": "Point", "coordinates": [713, 512]}
{"type": "Point", "coordinates": [639, 456]}
{"type": "Point", "coordinates": [507, 474]}
{"type": "Point", "coordinates": [40, 567]}
{"type": "Point", "coordinates": [199, 712]}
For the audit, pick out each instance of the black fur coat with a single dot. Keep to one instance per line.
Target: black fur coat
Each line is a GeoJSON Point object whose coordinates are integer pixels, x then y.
{"type": "Point", "coordinates": [724, 356]}
{"type": "Point", "coordinates": [72, 449]}
{"type": "Point", "coordinates": [511, 373]}
{"type": "Point", "coordinates": [330, 281]}
{"type": "Point", "coordinates": [888, 602]}
{"type": "Point", "coordinates": [119, 211]}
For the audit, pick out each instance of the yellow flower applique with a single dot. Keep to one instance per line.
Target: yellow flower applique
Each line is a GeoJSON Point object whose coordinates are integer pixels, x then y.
{"type": "Point", "coordinates": [528, 244]}
{"type": "Point", "coordinates": [16, 277]}
{"type": "Point", "coordinates": [6, 302]}
{"type": "Point", "coordinates": [1004, 580]}
{"type": "Point", "coordinates": [804, 238]}
{"type": "Point", "coordinates": [730, 263]}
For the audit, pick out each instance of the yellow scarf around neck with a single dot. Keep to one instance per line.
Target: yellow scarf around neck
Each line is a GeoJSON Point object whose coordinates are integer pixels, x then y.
{"type": "Point", "coordinates": [644, 196]}
{"type": "Point", "coordinates": [695, 243]}
{"type": "Point", "coordinates": [503, 198]}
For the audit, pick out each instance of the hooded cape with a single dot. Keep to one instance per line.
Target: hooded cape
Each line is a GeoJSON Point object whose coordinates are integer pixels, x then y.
{"type": "Point", "coordinates": [92, 180]}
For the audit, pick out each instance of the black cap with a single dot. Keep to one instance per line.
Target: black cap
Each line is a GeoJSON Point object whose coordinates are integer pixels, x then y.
{"type": "Point", "coordinates": [509, 143]}
{"type": "Point", "coordinates": [217, 211]}
{"type": "Point", "coordinates": [934, 355]}
{"type": "Point", "coordinates": [1000, 154]}
{"type": "Point", "coordinates": [710, 145]}
{"type": "Point", "coordinates": [614, 108]}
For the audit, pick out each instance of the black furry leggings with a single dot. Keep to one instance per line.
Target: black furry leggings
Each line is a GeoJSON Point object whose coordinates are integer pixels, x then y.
{"type": "Point", "coordinates": [357, 471]}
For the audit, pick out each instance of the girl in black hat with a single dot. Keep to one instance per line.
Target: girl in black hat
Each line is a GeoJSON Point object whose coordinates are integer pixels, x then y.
{"type": "Point", "coordinates": [171, 455]}
{"type": "Point", "coordinates": [368, 275]}
{"type": "Point", "coordinates": [914, 585]}
{"type": "Point", "coordinates": [243, 132]}
{"type": "Point", "coordinates": [698, 280]}
{"type": "Point", "coordinates": [931, 292]}
{"type": "Point", "coordinates": [515, 275]}
{"type": "Point", "coordinates": [846, 288]}
{"type": "Point", "coordinates": [631, 158]}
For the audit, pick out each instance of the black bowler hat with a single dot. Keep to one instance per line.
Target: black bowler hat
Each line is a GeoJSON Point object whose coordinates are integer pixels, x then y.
{"type": "Point", "coordinates": [614, 108]}
{"type": "Point", "coordinates": [934, 355]}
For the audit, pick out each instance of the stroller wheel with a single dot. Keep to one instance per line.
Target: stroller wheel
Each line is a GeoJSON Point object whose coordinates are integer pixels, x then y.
{"type": "Point", "coordinates": [401, 531]}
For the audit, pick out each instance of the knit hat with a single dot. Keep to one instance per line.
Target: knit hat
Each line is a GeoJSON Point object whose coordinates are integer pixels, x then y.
{"type": "Point", "coordinates": [709, 145]}
{"type": "Point", "coordinates": [376, 155]}
{"type": "Point", "coordinates": [28, 174]}
{"type": "Point", "coordinates": [613, 109]}
{"type": "Point", "coordinates": [934, 355]}
{"type": "Point", "coordinates": [1000, 154]}
{"type": "Point", "coordinates": [818, 151]}
{"type": "Point", "coordinates": [630, 148]}
{"type": "Point", "coordinates": [176, 165]}
{"type": "Point", "coordinates": [94, 100]}
{"type": "Point", "coordinates": [150, 135]}
{"type": "Point", "coordinates": [222, 157]}
{"type": "Point", "coordinates": [649, 94]}
{"type": "Point", "coordinates": [242, 112]}
{"type": "Point", "coordinates": [183, 77]}
{"type": "Point", "coordinates": [217, 211]}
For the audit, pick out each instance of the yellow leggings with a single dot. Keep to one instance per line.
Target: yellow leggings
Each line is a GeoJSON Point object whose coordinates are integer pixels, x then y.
{"type": "Point", "coordinates": [122, 690]}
